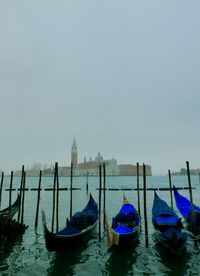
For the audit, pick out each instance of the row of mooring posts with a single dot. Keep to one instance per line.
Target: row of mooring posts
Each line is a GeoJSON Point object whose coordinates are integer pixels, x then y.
{"type": "Point", "coordinates": [22, 189]}
{"type": "Point", "coordinates": [102, 170]}
{"type": "Point", "coordinates": [20, 217]}
{"type": "Point", "coordinates": [189, 185]}
{"type": "Point", "coordinates": [55, 205]}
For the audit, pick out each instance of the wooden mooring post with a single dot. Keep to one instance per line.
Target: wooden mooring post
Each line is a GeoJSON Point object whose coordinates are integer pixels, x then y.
{"type": "Point", "coordinates": [138, 188]}
{"type": "Point", "coordinates": [189, 182]}
{"type": "Point", "coordinates": [71, 185]}
{"type": "Point", "coordinates": [20, 194]}
{"type": "Point", "coordinates": [38, 200]}
{"type": "Point", "coordinates": [57, 198]}
{"type": "Point", "coordinates": [53, 205]}
{"type": "Point", "coordinates": [1, 187]}
{"type": "Point", "coordinates": [191, 200]}
{"type": "Point", "coordinates": [104, 196]}
{"type": "Point", "coordinates": [145, 207]}
{"type": "Point", "coordinates": [10, 195]}
{"type": "Point", "coordinates": [100, 187]}
{"type": "Point", "coordinates": [170, 189]}
{"type": "Point", "coordinates": [23, 198]}
{"type": "Point", "coordinates": [87, 174]}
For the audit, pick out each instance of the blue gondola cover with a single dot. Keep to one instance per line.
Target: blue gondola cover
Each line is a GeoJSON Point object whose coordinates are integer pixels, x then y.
{"type": "Point", "coordinates": [127, 213]}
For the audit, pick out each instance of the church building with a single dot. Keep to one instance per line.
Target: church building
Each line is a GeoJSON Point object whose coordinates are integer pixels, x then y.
{"type": "Point", "coordinates": [91, 166]}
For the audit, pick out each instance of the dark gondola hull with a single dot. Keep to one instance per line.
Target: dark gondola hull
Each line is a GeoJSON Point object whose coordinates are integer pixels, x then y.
{"type": "Point", "coordinates": [169, 242]}
{"type": "Point", "coordinates": [12, 210]}
{"type": "Point", "coordinates": [12, 227]}
{"type": "Point", "coordinates": [77, 232]}
{"type": "Point", "coordinates": [175, 248]}
{"type": "Point", "coordinates": [127, 240]}
{"type": "Point", "coordinates": [125, 227]}
{"type": "Point", "coordinates": [8, 225]}
{"type": "Point", "coordinates": [168, 227]}
{"type": "Point", "coordinates": [59, 243]}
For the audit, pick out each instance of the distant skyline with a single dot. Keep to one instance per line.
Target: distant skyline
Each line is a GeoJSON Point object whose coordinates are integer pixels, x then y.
{"type": "Point", "coordinates": [120, 76]}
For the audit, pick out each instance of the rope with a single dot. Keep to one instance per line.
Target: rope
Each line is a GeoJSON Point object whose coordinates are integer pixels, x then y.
{"type": "Point", "coordinates": [191, 234]}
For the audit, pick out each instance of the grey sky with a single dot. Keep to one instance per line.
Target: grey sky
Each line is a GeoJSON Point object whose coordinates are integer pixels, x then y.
{"type": "Point", "coordinates": [120, 76]}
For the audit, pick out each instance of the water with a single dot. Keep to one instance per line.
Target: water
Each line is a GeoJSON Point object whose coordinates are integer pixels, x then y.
{"type": "Point", "coordinates": [28, 255]}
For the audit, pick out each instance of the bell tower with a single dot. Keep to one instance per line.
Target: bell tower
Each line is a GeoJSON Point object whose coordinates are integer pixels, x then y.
{"type": "Point", "coordinates": [74, 154]}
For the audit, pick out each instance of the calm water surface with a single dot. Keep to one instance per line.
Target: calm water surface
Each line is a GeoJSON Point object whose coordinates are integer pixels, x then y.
{"type": "Point", "coordinates": [28, 255]}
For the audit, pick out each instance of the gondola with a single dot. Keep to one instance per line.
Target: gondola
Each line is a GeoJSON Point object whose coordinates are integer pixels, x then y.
{"type": "Point", "coordinates": [169, 232]}
{"type": "Point", "coordinates": [8, 225]}
{"type": "Point", "coordinates": [77, 231]}
{"type": "Point", "coordinates": [190, 212]}
{"type": "Point", "coordinates": [125, 227]}
{"type": "Point", "coordinates": [12, 210]}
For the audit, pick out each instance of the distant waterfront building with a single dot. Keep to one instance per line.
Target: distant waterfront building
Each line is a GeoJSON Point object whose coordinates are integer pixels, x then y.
{"type": "Point", "coordinates": [183, 171]}
{"type": "Point", "coordinates": [91, 167]}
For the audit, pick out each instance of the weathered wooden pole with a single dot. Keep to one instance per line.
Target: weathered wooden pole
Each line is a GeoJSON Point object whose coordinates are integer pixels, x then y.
{"type": "Point", "coordinates": [71, 184]}
{"type": "Point", "coordinates": [53, 207]}
{"type": "Point", "coordinates": [100, 188]}
{"type": "Point", "coordinates": [138, 187]}
{"type": "Point", "coordinates": [10, 195]}
{"type": "Point", "coordinates": [192, 206]}
{"type": "Point", "coordinates": [23, 198]}
{"type": "Point", "coordinates": [57, 199]}
{"type": "Point", "coordinates": [145, 207]}
{"type": "Point", "coordinates": [87, 181]}
{"type": "Point", "coordinates": [189, 182]}
{"type": "Point", "coordinates": [20, 194]}
{"type": "Point", "coordinates": [170, 188]}
{"type": "Point", "coordinates": [104, 195]}
{"type": "Point", "coordinates": [1, 187]}
{"type": "Point", "coordinates": [38, 200]}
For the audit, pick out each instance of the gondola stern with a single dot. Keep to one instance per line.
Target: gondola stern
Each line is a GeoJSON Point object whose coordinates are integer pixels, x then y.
{"type": "Point", "coordinates": [44, 223]}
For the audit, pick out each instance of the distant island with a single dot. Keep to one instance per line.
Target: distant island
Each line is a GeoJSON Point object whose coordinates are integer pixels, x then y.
{"type": "Point", "coordinates": [89, 167]}
{"type": "Point", "coordinates": [183, 171]}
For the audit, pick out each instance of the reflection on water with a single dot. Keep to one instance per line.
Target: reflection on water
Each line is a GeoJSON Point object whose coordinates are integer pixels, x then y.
{"type": "Point", "coordinates": [120, 262]}
{"type": "Point", "coordinates": [64, 263]}
{"type": "Point", "coordinates": [7, 245]}
{"type": "Point", "coordinates": [172, 264]}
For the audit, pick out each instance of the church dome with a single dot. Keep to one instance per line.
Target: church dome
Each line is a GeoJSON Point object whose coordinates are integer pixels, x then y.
{"type": "Point", "coordinates": [99, 157]}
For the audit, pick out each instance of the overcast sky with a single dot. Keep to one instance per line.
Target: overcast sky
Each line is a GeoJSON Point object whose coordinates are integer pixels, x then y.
{"type": "Point", "coordinates": [122, 77]}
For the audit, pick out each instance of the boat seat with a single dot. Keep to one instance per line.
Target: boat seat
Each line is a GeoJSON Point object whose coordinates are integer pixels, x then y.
{"type": "Point", "coordinates": [167, 220]}
{"type": "Point", "coordinates": [121, 229]}
{"type": "Point", "coordinates": [171, 232]}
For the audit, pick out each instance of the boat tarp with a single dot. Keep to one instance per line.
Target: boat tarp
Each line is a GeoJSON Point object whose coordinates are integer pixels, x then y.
{"type": "Point", "coordinates": [126, 214]}
{"type": "Point", "coordinates": [172, 233]}
{"type": "Point", "coordinates": [86, 217]}
{"type": "Point", "coordinates": [121, 229]}
{"type": "Point", "coordinates": [183, 204]}
{"type": "Point", "coordinates": [167, 220]}
{"type": "Point", "coordinates": [160, 207]}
